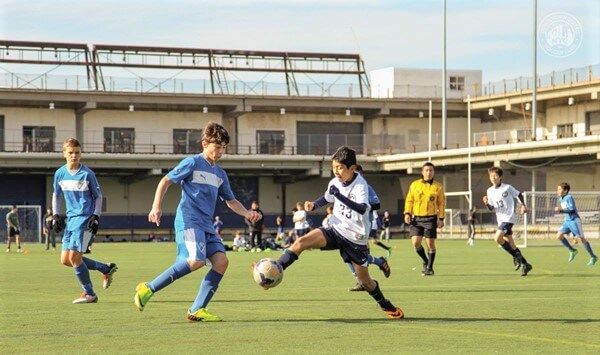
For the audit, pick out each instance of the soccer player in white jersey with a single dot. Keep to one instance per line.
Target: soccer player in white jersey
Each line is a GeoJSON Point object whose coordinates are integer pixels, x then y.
{"type": "Point", "coordinates": [350, 226]}
{"type": "Point", "coordinates": [501, 198]}
{"type": "Point", "coordinates": [572, 223]}
{"type": "Point", "coordinates": [202, 182]}
{"type": "Point", "coordinates": [83, 200]}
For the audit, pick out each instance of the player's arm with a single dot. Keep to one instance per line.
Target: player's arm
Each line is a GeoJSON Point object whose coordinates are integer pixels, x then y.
{"type": "Point", "coordinates": [360, 208]}
{"type": "Point", "coordinates": [237, 207]}
{"type": "Point", "coordinates": [161, 190]}
{"type": "Point", "coordinates": [486, 202]}
{"type": "Point", "coordinates": [441, 206]}
{"type": "Point", "coordinates": [408, 205]}
{"type": "Point", "coordinates": [569, 208]}
{"type": "Point", "coordinates": [522, 201]}
{"type": "Point", "coordinates": [313, 205]}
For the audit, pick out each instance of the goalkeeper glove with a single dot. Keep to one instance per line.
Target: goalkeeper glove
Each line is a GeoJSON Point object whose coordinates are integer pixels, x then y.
{"type": "Point", "coordinates": [93, 223]}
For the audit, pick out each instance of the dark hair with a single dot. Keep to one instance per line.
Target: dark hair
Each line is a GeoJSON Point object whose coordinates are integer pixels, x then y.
{"type": "Point", "coordinates": [495, 169]}
{"type": "Point", "coordinates": [359, 169]}
{"type": "Point", "coordinates": [215, 133]}
{"type": "Point", "coordinates": [428, 164]}
{"type": "Point", "coordinates": [345, 155]}
{"type": "Point", "coordinates": [565, 186]}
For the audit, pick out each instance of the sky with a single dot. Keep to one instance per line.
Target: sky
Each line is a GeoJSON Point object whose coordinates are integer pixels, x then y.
{"type": "Point", "coordinates": [489, 35]}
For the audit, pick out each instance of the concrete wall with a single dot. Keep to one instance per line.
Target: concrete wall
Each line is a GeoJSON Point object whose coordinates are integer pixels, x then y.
{"type": "Point", "coordinates": [422, 83]}
{"type": "Point", "coordinates": [574, 114]}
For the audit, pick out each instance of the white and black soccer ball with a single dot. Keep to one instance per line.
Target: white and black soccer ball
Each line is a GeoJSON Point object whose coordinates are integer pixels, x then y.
{"type": "Point", "coordinates": [268, 273]}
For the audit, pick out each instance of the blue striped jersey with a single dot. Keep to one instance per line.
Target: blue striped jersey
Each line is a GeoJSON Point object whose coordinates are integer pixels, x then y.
{"type": "Point", "coordinates": [80, 190]}
{"type": "Point", "coordinates": [567, 203]}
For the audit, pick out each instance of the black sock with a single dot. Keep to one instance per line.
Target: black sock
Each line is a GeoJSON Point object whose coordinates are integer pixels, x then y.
{"type": "Point", "coordinates": [287, 258]}
{"type": "Point", "coordinates": [520, 256]}
{"type": "Point", "coordinates": [421, 253]}
{"type": "Point", "coordinates": [506, 246]}
{"type": "Point", "coordinates": [382, 245]}
{"type": "Point", "coordinates": [431, 259]}
{"type": "Point", "coordinates": [380, 299]}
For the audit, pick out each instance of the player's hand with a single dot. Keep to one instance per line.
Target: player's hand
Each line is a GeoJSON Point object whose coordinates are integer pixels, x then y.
{"type": "Point", "coordinates": [523, 209]}
{"type": "Point", "coordinates": [154, 216]}
{"type": "Point", "coordinates": [407, 219]}
{"type": "Point", "coordinates": [309, 206]}
{"type": "Point", "coordinates": [556, 209]}
{"type": "Point", "coordinates": [333, 190]}
{"type": "Point", "coordinates": [440, 223]}
{"type": "Point", "coordinates": [253, 216]}
{"type": "Point", "coordinates": [56, 225]}
{"type": "Point", "coordinates": [485, 199]}
{"type": "Point", "coordinates": [93, 223]}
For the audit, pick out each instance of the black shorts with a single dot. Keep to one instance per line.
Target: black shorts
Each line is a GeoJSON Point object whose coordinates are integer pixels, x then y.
{"type": "Point", "coordinates": [12, 231]}
{"type": "Point", "coordinates": [424, 227]}
{"type": "Point", "coordinates": [506, 227]}
{"type": "Point", "coordinates": [373, 234]}
{"type": "Point", "coordinates": [349, 251]}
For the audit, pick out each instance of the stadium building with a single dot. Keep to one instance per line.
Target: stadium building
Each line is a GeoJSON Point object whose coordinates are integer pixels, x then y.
{"type": "Point", "coordinates": [137, 116]}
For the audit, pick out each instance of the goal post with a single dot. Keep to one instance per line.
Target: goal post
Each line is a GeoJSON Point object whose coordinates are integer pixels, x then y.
{"type": "Point", "coordinates": [541, 223]}
{"type": "Point", "coordinates": [30, 222]}
{"type": "Point", "coordinates": [457, 211]}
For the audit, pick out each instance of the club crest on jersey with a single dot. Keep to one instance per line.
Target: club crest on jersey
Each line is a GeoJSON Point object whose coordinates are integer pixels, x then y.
{"type": "Point", "coordinates": [505, 193]}
{"type": "Point", "coordinates": [352, 197]}
{"type": "Point", "coordinates": [431, 198]}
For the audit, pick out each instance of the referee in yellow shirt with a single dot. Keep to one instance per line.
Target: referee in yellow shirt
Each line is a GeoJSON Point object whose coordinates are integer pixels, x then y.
{"type": "Point", "coordinates": [424, 211]}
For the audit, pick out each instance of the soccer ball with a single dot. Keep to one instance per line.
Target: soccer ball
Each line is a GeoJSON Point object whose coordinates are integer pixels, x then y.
{"type": "Point", "coordinates": [268, 273]}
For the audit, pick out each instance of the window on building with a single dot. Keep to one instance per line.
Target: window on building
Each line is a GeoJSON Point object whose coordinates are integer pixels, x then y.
{"type": "Point", "coordinates": [457, 83]}
{"type": "Point", "coordinates": [326, 137]}
{"type": "Point", "coordinates": [187, 141]}
{"type": "Point", "coordinates": [592, 122]}
{"type": "Point", "coordinates": [119, 140]}
{"type": "Point", "coordinates": [270, 142]}
{"type": "Point", "coordinates": [564, 130]}
{"type": "Point", "coordinates": [38, 138]}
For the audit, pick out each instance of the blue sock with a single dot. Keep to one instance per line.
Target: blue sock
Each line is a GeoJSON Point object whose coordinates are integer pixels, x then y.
{"type": "Point", "coordinates": [351, 267]}
{"type": "Point", "coordinates": [287, 258]}
{"type": "Point", "coordinates": [83, 275]}
{"type": "Point", "coordinates": [566, 243]}
{"type": "Point", "coordinates": [373, 260]}
{"type": "Point", "coordinates": [209, 286]}
{"type": "Point", "coordinates": [95, 265]}
{"type": "Point", "coordinates": [588, 247]}
{"type": "Point", "coordinates": [178, 270]}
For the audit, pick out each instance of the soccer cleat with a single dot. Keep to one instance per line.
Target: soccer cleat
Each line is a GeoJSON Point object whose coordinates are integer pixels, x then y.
{"type": "Point", "coordinates": [593, 261]}
{"type": "Point", "coordinates": [428, 272]}
{"type": "Point", "coordinates": [526, 269]}
{"type": "Point", "coordinates": [394, 313]}
{"type": "Point", "coordinates": [19, 250]}
{"type": "Point", "coordinates": [8, 250]}
{"type": "Point", "coordinates": [424, 268]}
{"type": "Point", "coordinates": [202, 315]}
{"type": "Point", "coordinates": [572, 254]}
{"type": "Point", "coordinates": [143, 293]}
{"type": "Point", "coordinates": [385, 267]}
{"type": "Point", "coordinates": [389, 253]}
{"type": "Point", "coordinates": [86, 299]}
{"type": "Point", "coordinates": [517, 263]}
{"type": "Point", "coordinates": [108, 277]}
{"type": "Point", "coordinates": [357, 287]}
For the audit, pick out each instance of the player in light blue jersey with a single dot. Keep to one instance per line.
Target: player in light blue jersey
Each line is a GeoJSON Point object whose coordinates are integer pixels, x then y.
{"type": "Point", "coordinates": [80, 188]}
{"type": "Point", "coordinates": [202, 182]}
{"type": "Point", "coordinates": [572, 223]}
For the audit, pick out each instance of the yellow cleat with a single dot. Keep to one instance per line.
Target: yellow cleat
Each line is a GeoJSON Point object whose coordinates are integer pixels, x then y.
{"type": "Point", "coordinates": [143, 293]}
{"type": "Point", "coordinates": [202, 315]}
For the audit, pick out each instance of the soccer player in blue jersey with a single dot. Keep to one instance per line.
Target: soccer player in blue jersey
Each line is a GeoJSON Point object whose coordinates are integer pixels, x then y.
{"type": "Point", "coordinates": [500, 197]}
{"type": "Point", "coordinates": [572, 223]}
{"type": "Point", "coordinates": [350, 226]}
{"type": "Point", "coordinates": [83, 200]}
{"type": "Point", "coordinates": [202, 182]}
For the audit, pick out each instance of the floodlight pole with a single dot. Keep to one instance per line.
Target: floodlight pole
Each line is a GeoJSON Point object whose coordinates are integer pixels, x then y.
{"type": "Point", "coordinates": [430, 123]}
{"type": "Point", "coordinates": [534, 90]}
{"type": "Point", "coordinates": [469, 181]}
{"type": "Point", "coordinates": [444, 122]}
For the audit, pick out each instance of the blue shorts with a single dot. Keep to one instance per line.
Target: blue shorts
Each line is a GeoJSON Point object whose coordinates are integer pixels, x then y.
{"type": "Point", "coordinates": [506, 227]}
{"type": "Point", "coordinates": [349, 251]}
{"type": "Point", "coordinates": [196, 244]}
{"type": "Point", "coordinates": [76, 236]}
{"type": "Point", "coordinates": [573, 227]}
